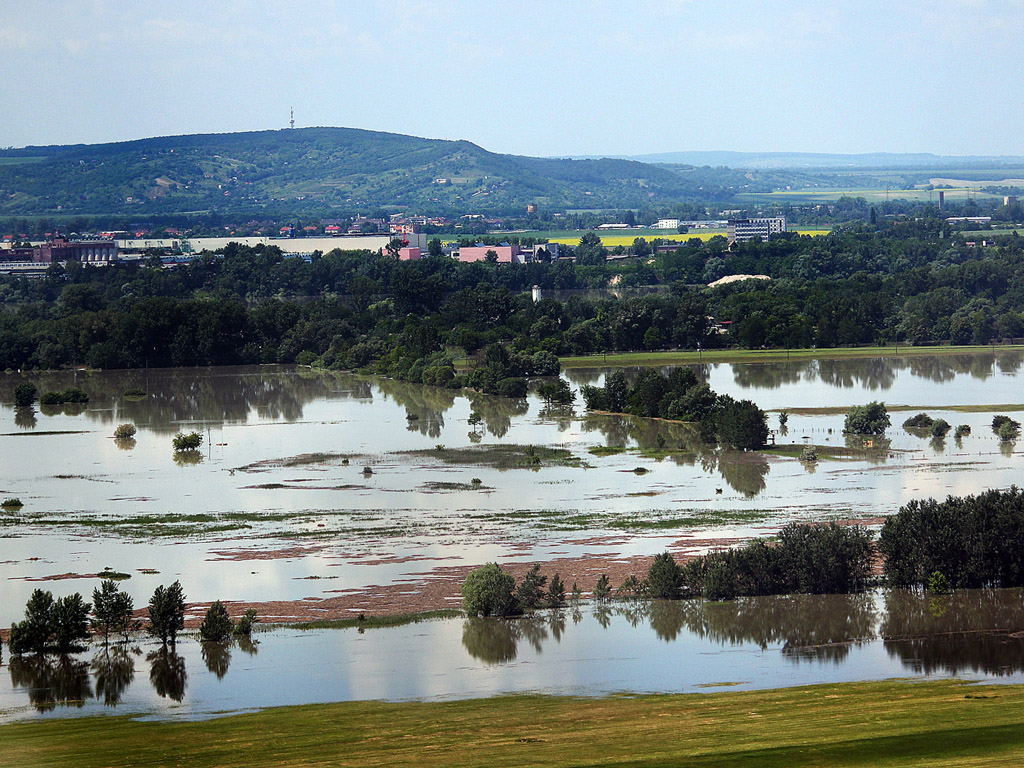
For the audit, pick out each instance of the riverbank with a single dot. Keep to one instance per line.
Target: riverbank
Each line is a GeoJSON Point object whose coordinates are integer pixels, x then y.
{"type": "Point", "coordinates": [891, 723]}
{"type": "Point", "coordinates": [690, 357]}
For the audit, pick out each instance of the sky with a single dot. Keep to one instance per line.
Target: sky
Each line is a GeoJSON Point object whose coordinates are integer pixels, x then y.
{"type": "Point", "coordinates": [532, 78]}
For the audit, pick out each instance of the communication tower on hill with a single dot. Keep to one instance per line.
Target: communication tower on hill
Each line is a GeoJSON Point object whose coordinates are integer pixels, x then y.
{"type": "Point", "coordinates": [291, 121]}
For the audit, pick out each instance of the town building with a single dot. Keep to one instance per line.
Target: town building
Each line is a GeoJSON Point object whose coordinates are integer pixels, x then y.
{"type": "Point", "coordinates": [507, 254]}
{"type": "Point", "coordinates": [85, 251]}
{"type": "Point", "coordinates": [749, 229]}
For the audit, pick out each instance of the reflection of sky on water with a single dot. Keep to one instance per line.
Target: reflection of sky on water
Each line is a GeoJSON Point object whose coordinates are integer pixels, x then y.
{"type": "Point", "coordinates": [344, 520]}
{"type": "Point", "coordinates": [685, 647]}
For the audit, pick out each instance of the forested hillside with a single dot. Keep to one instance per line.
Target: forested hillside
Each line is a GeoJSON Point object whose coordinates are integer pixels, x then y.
{"type": "Point", "coordinates": [324, 170]}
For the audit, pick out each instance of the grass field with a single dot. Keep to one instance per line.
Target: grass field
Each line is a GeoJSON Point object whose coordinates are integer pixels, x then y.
{"type": "Point", "coordinates": [892, 723]}
{"type": "Point", "coordinates": [629, 359]}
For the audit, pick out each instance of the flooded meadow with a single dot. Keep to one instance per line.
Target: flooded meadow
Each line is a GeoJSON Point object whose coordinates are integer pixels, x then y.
{"type": "Point", "coordinates": [324, 494]}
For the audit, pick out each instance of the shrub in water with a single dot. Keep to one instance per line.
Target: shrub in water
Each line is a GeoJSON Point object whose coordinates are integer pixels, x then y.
{"type": "Point", "coordinates": [25, 395]}
{"type": "Point", "coordinates": [217, 625]}
{"type": "Point", "coordinates": [189, 442]}
{"type": "Point", "coordinates": [124, 431]}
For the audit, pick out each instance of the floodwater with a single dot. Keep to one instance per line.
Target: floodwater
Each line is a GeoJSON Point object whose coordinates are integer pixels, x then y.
{"type": "Point", "coordinates": [590, 649]}
{"type": "Point", "coordinates": [277, 505]}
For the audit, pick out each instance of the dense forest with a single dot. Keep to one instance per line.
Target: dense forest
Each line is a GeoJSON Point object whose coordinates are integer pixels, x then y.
{"type": "Point", "coordinates": [907, 282]}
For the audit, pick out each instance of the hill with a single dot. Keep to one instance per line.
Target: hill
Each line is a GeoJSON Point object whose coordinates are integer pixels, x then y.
{"type": "Point", "coordinates": [324, 170]}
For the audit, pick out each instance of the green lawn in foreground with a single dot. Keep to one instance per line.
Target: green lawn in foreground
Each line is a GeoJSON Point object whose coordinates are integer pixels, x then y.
{"type": "Point", "coordinates": [895, 723]}
{"type": "Point", "coordinates": [627, 359]}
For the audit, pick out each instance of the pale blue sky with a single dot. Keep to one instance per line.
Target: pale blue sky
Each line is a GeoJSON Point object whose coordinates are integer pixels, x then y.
{"type": "Point", "coordinates": [537, 78]}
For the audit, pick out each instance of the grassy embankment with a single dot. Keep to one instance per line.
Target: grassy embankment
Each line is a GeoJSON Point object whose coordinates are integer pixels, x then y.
{"type": "Point", "coordinates": [891, 723]}
{"type": "Point", "coordinates": [689, 357]}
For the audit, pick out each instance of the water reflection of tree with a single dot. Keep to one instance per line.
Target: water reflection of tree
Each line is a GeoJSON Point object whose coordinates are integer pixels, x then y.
{"type": "Point", "coordinates": [868, 373]}
{"type": "Point", "coordinates": [497, 412]}
{"type": "Point", "coordinates": [25, 417]}
{"type": "Point", "coordinates": [247, 645]}
{"type": "Point", "coordinates": [427, 404]}
{"type": "Point", "coordinates": [821, 627]}
{"type": "Point", "coordinates": [771, 375]}
{"type": "Point", "coordinates": [744, 472]}
{"type": "Point", "coordinates": [52, 681]}
{"type": "Point", "coordinates": [217, 657]}
{"type": "Point", "coordinates": [492, 641]}
{"type": "Point", "coordinates": [167, 673]}
{"type": "Point", "coordinates": [212, 395]}
{"type": "Point", "coordinates": [114, 670]}
{"type": "Point", "coordinates": [967, 630]}
{"type": "Point", "coordinates": [496, 641]}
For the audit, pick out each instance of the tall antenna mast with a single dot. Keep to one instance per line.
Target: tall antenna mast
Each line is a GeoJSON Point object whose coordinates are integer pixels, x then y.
{"type": "Point", "coordinates": [291, 122]}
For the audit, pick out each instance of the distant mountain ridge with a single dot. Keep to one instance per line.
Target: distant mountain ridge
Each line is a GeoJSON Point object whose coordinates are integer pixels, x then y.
{"type": "Point", "coordinates": [341, 170]}
{"type": "Point", "coordinates": [800, 160]}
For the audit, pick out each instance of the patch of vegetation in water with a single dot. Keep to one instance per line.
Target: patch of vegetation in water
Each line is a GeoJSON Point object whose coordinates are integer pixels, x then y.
{"type": "Point", "coordinates": [110, 573]}
{"type": "Point", "coordinates": [509, 456]}
{"type": "Point", "coordinates": [449, 486]}
{"type": "Point", "coordinates": [606, 450]}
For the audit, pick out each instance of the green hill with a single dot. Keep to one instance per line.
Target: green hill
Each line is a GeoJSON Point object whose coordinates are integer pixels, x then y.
{"type": "Point", "coordinates": [323, 170]}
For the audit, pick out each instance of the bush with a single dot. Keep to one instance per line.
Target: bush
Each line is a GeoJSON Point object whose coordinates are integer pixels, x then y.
{"type": "Point", "coordinates": [556, 592]}
{"type": "Point", "coordinates": [962, 430]}
{"type": "Point", "coordinates": [940, 427]}
{"type": "Point", "coordinates": [514, 386]}
{"type": "Point", "coordinates": [920, 421]}
{"type": "Point", "coordinates": [50, 623]}
{"type": "Point", "coordinates": [1004, 425]}
{"type": "Point", "coordinates": [1009, 430]}
{"type": "Point", "coordinates": [25, 395]}
{"type": "Point", "coordinates": [246, 622]}
{"type": "Point", "coordinates": [530, 592]}
{"type": "Point", "coordinates": [166, 612]}
{"type": "Point", "coordinates": [124, 431]}
{"type": "Point", "coordinates": [741, 425]}
{"type": "Point", "coordinates": [69, 395]}
{"type": "Point", "coordinates": [603, 588]}
{"type": "Point", "coordinates": [189, 442]}
{"type": "Point", "coordinates": [487, 591]}
{"type": "Point", "coordinates": [870, 419]}
{"type": "Point", "coordinates": [809, 454]}
{"type": "Point", "coordinates": [12, 503]}
{"type": "Point", "coordinates": [134, 393]}
{"type": "Point", "coordinates": [664, 577]}
{"type": "Point", "coordinates": [975, 541]}
{"type": "Point", "coordinates": [217, 625]}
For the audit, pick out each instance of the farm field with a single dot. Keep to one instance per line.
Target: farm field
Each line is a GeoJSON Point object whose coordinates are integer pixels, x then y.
{"type": "Point", "coordinates": [890, 723]}
{"type": "Point", "coordinates": [871, 195]}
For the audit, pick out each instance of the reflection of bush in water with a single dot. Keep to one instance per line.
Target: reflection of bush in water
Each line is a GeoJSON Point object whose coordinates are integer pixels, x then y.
{"type": "Point", "coordinates": [247, 645]}
{"type": "Point", "coordinates": [495, 641]}
{"type": "Point", "coordinates": [187, 458]}
{"type": "Point", "coordinates": [744, 472]}
{"type": "Point", "coordinates": [114, 669]}
{"type": "Point", "coordinates": [25, 417]}
{"type": "Point", "coordinates": [167, 673]}
{"type": "Point", "coordinates": [497, 412]}
{"type": "Point", "coordinates": [967, 630]}
{"type": "Point", "coordinates": [807, 626]}
{"type": "Point", "coordinates": [217, 657]}
{"type": "Point", "coordinates": [50, 682]}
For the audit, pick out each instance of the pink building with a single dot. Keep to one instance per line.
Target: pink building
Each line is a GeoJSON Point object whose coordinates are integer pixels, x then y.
{"type": "Point", "coordinates": [409, 254]}
{"type": "Point", "coordinates": [507, 254]}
